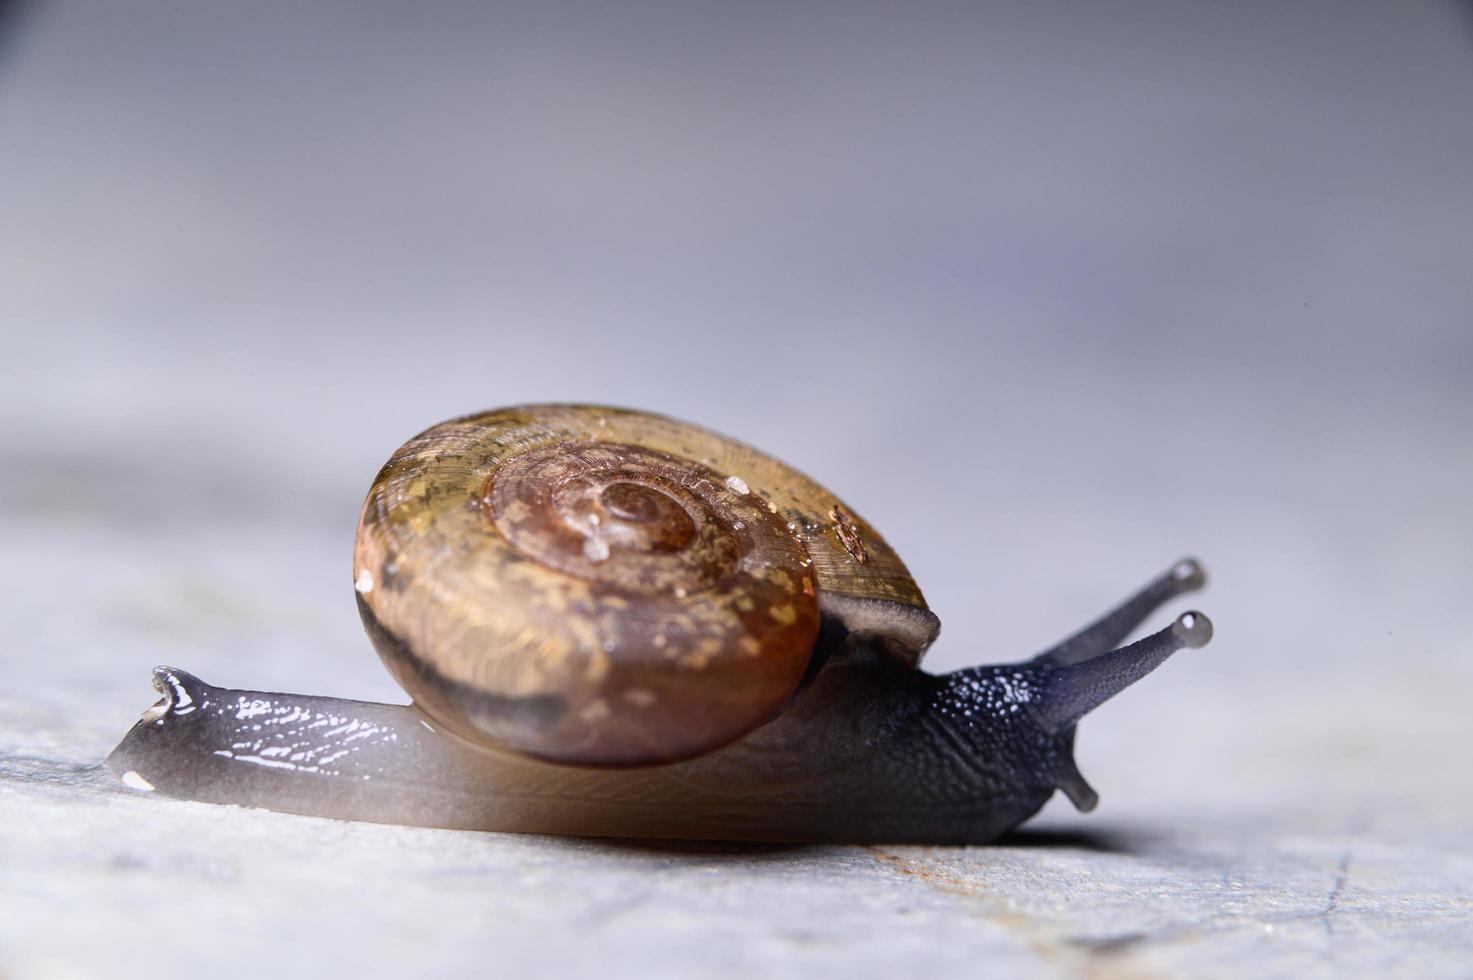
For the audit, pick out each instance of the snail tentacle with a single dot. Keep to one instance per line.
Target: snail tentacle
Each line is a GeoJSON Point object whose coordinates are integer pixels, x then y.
{"type": "Point", "coordinates": [1111, 629]}
{"type": "Point", "coordinates": [1072, 691]}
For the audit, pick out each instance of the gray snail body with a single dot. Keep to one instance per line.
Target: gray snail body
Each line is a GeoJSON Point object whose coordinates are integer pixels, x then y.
{"type": "Point", "coordinates": [711, 718]}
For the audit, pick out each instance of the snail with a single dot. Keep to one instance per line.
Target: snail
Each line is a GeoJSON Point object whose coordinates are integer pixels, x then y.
{"type": "Point", "coordinates": [612, 623]}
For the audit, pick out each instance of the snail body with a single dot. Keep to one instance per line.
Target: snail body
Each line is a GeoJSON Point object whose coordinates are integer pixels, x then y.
{"type": "Point", "coordinates": [615, 624]}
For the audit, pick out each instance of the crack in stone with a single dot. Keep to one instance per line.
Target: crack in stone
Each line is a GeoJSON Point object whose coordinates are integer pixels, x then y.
{"type": "Point", "coordinates": [1130, 942]}
{"type": "Point", "coordinates": [1342, 872]}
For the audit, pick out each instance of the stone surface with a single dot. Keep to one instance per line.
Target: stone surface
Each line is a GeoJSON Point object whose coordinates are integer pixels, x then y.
{"type": "Point", "coordinates": [99, 883]}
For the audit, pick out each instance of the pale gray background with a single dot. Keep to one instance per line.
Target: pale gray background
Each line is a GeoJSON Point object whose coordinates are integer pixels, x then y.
{"type": "Point", "coordinates": [1052, 293]}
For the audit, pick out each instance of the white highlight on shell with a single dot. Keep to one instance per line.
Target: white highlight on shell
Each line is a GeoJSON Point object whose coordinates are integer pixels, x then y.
{"type": "Point", "coordinates": [595, 712]}
{"type": "Point", "coordinates": [364, 582]}
{"type": "Point", "coordinates": [132, 780]}
{"type": "Point", "coordinates": [595, 549]}
{"type": "Point", "coordinates": [737, 484]}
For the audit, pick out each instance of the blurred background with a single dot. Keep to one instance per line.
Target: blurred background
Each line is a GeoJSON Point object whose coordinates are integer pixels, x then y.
{"type": "Point", "coordinates": [1052, 293]}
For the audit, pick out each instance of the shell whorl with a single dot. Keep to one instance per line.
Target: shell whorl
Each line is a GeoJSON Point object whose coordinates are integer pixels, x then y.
{"type": "Point", "coordinates": [604, 587]}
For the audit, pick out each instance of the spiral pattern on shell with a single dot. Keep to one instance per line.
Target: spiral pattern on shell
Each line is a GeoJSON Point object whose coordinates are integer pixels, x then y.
{"type": "Point", "coordinates": [601, 587]}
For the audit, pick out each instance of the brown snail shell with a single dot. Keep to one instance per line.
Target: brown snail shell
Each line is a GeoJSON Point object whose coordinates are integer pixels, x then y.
{"type": "Point", "coordinates": [598, 586]}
